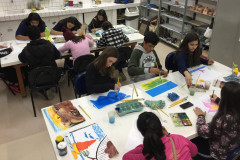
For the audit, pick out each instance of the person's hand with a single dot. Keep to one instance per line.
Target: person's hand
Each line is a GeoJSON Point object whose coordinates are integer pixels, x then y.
{"type": "Point", "coordinates": [213, 97]}
{"type": "Point", "coordinates": [154, 70]}
{"type": "Point", "coordinates": [11, 47]}
{"type": "Point", "coordinates": [198, 111]}
{"type": "Point", "coordinates": [74, 32]}
{"type": "Point", "coordinates": [164, 73]}
{"type": "Point", "coordinates": [188, 78]}
{"type": "Point", "coordinates": [89, 37]}
{"type": "Point", "coordinates": [117, 86]}
{"type": "Point", "coordinates": [2, 46]}
{"type": "Point", "coordinates": [210, 61]}
{"type": "Point", "coordinates": [165, 132]}
{"type": "Point", "coordinates": [93, 30]}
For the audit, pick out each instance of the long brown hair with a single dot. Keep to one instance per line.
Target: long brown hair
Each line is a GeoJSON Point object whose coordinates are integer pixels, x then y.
{"type": "Point", "coordinates": [193, 58]}
{"type": "Point", "coordinates": [100, 62]}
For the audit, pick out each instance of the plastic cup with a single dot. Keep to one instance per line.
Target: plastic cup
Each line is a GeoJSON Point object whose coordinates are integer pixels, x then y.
{"type": "Point", "coordinates": [207, 85]}
{"type": "Point", "coordinates": [111, 116]}
{"type": "Point", "coordinates": [192, 91]}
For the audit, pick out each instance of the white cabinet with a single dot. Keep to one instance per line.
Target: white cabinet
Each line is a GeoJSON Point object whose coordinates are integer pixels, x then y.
{"type": "Point", "coordinates": [8, 30]}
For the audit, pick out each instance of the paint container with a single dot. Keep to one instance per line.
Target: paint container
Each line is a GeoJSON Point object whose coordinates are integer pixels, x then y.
{"type": "Point", "coordinates": [192, 91]}
{"type": "Point", "coordinates": [62, 148]}
{"type": "Point", "coordinates": [207, 85]}
{"type": "Point", "coordinates": [59, 139]}
{"type": "Point", "coordinates": [70, 3]}
{"type": "Point", "coordinates": [111, 116]}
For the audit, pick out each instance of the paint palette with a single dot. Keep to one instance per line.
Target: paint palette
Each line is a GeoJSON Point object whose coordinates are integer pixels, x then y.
{"type": "Point", "coordinates": [199, 88]}
{"type": "Point", "coordinates": [180, 119]}
{"type": "Point", "coordinates": [128, 107]}
{"type": "Point", "coordinates": [173, 96]}
{"type": "Point", "coordinates": [159, 103]}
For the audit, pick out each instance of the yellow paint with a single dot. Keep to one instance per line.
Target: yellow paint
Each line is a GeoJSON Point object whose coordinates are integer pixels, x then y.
{"type": "Point", "coordinates": [55, 118]}
{"type": "Point", "coordinates": [215, 106]}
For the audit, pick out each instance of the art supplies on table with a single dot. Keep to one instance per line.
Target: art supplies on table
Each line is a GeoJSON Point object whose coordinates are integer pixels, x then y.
{"type": "Point", "coordinates": [205, 104]}
{"type": "Point", "coordinates": [161, 104]}
{"type": "Point", "coordinates": [177, 102]}
{"type": "Point", "coordinates": [180, 119]}
{"type": "Point", "coordinates": [198, 88]}
{"type": "Point", "coordinates": [186, 105]}
{"type": "Point", "coordinates": [173, 96]}
{"type": "Point", "coordinates": [63, 116]}
{"type": "Point", "coordinates": [128, 107]}
{"type": "Point", "coordinates": [206, 73]}
{"type": "Point", "coordinates": [158, 86]}
{"type": "Point", "coordinates": [99, 33]}
{"type": "Point", "coordinates": [111, 98]}
{"type": "Point", "coordinates": [58, 39]}
{"type": "Point", "coordinates": [138, 99]}
{"type": "Point", "coordinates": [89, 143]}
{"type": "Point", "coordinates": [218, 83]}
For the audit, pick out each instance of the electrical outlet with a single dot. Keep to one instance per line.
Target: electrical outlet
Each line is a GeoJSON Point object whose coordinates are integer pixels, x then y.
{"type": "Point", "coordinates": [9, 29]}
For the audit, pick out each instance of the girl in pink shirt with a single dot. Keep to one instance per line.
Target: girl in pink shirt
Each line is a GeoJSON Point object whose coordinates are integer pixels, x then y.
{"type": "Point", "coordinates": [156, 143]}
{"type": "Point", "coordinates": [78, 45]}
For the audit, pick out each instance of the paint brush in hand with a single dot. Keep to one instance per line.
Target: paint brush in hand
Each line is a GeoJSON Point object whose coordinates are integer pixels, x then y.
{"type": "Point", "coordinates": [118, 89]}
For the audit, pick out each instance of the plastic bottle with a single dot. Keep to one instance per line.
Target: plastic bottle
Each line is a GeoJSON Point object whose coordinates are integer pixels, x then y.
{"type": "Point", "coordinates": [47, 34]}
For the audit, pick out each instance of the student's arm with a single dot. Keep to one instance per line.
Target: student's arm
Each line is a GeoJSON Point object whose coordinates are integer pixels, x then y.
{"type": "Point", "coordinates": [42, 30]}
{"type": "Point", "coordinates": [21, 33]}
{"type": "Point", "coordinates": [125, 38]}
{"type": "Point", "coordinates": [192, 147]}
{"type": "Point", "coordinates": [57, 53]}
{"type": "Point", "coordinates": [182, 63]}
{"type": "Point", "coordinates": [57, 29]}
{"type": "Point", "coordinates": [21, 37]}
{"type": "Point", "coordinates": [90, 42]}
{"type": "Point", "coordinates": [22, 56]}
{"type": "Point", "coordinates": [42, 34]}
{"type": "Point", "coordinates": [102, 42]}
{"type": "Point", "coordinates": [133, 65]}
{"type": "Point", "coordinates": [215, 98]}
{"type": "Point", "coordinates": [65, 47]}
{"type": "Point", "coordinates": [135, 154]}
{"type": "Point", "coordinates": [91, 26]}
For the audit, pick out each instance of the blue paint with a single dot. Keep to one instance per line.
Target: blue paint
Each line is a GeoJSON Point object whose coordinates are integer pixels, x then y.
{"type": "Point", "coordinates": [85, 134]}
{"type": "Point", "coordinates": [55, 128]}
{"type": "Point", "coordinates": [161, 89]}
{"type": "Point", "coordinates": [111, 98]}
{"type": "Point", "coordinates": [91, 136]}
{"type": "Point", "coordinates": [197, 69]}
{"type": "Point", "coordinates": [111, 120]}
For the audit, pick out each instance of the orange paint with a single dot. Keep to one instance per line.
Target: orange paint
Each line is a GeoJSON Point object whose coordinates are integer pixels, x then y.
{"type": "Point", "coordinates": [81, 146]}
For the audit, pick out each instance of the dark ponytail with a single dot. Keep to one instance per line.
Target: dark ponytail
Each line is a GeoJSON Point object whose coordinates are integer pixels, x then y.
{"type": "Point", "coordinates": [151, 128]}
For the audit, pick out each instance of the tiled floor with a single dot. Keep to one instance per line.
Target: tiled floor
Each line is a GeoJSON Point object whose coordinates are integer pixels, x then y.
{"type": "Point", "coordinates": [24, 137]}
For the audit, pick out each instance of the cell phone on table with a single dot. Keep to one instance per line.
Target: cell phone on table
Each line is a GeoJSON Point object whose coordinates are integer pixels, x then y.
{"type": "Point", "coordinates": [186, 105]}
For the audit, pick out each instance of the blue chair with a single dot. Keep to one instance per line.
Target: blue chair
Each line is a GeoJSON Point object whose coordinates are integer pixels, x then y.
{"type": "Point", "coordinates": [42, 78]}
{"type": "Point", "coordinates": [169, 61]}
{"type": "Point", "coordinates": [235, 155]}
{"type": "Point", "coordinates": [80, 84]}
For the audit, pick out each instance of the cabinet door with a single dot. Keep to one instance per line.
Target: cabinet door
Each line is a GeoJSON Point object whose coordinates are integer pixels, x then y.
{"type": "Point", "coordinates": [51, 21]}
{"type": "Point", "coordinates": [8, 30]}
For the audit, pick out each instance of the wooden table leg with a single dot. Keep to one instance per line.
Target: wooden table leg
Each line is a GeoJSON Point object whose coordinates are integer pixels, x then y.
{"type": "Point", "coordinates": [20, 80]}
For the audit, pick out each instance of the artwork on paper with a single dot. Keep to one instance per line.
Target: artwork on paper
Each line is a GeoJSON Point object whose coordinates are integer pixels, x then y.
{"type": "Point", "coordinates": [205, 104]}
{"type": "Point", "coordinates": [152, 84]}
{"type": "Point", "coordinates": [89, 143]}
{"type": "Point", "coordinates": [111, 98]}
{"type": "Point", "coordinates": [205, 73]}
{"type": "Point", "coordinates": [158, 86]}
{"type": "Point", "coordinates": [63, 116]}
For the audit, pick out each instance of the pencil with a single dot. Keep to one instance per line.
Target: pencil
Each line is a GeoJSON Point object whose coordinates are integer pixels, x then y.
{"type": "Point", "coordinates": [161, 110]}
{"type": "Point", "coordinates": [212, 93]}
{"type": "Point", "coordinates": [127, 100]}
{"type": "Point", "coordinates": [135, 89]}
{"type": "Point", "coordinates": [156, 109]}
{"type": "Point", "coordinates": [159, 70]}
{"type": "Point", "coordinates": [151, 107]}
{"type": "Point", "coordinates": [84, 111]}
{"type": "Point", "coordinates": [196, 81]}
{"type": "Point", "coordinates": [186, 83]}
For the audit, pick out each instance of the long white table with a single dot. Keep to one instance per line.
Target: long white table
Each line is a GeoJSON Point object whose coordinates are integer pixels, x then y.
{"type": "Point", "coordinates": [118, 132]}
{"type": "Point", "coordinates": [12, 59]}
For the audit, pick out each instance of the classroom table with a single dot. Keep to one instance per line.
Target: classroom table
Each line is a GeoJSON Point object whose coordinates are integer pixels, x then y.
{"type": "Point", "coordinates": [12, 59]}
{"type": "Point", "coordinates": [119, 131]}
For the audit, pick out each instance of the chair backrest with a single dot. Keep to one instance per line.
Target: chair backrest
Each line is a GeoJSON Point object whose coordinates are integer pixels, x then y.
{"type": "Point", "coordinates": [81, 63]}
{"type": "Point", "coordinates": [169, 61]}
{"type": "Point", "coordinates": [124, 53]}
{"type": "Point", "coordinates": [43, 75]}
{"type": "Point", "coordinates": [235, 155]}
{"type": "Point", "coordinates": [80, 84]}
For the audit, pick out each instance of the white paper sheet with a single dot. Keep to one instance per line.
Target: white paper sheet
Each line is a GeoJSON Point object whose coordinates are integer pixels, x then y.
{"type": "Point", "coordinates": [206, 74]}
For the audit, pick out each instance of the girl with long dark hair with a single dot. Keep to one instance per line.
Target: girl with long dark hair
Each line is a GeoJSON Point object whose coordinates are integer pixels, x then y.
{"type": "Point", "coordinates": [100, 73]}
{"type": "Point", "coordinates": [70, 23]}
{"type": "Point", "coordinates": [33, 19]}
{"type": "Point", "coordinates": [97, 21]}
{"type": "Point", "coordinates": [158, 144]}
{"type": "Point", "coordinates": [189, 55]}
{"type": "Point", "coordinates": [224, 129]}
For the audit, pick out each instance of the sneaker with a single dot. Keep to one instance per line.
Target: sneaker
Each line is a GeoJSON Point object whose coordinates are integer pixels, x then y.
{"type": "Point", "coordinates": [121, 74]}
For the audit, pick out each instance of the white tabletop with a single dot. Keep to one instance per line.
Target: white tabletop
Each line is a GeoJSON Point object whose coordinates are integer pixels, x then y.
{"type": "Point", "coordinates": [12, 59]}
{"type": "Point", "coordinates": [118, 132]}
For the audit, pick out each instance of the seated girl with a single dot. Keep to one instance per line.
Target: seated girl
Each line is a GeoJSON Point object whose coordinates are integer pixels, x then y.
{"type": "Point", "coordinates": [70, 23]}
{"type": "Point", "coordinates": [100, 73]}
{"type": "Point", "coordinates": [158, 144]}
{"type": "Point", "coordinates": [189, 55]}
{"type": "Point", "coordinates": [224, 129]}
{"type": "Point", "coordinates": [33, 20]}
{"type": "Point", "coordinates": [97, 21]}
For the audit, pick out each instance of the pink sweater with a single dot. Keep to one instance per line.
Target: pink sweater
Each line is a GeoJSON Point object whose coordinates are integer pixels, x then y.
{"type": "Point", "coordinates": [77, 49]}
{"type": "Point", "coordinates": [185, 149]}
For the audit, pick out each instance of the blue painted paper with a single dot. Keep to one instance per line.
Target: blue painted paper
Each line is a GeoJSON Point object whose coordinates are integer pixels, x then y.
{"type": "Point", "coordinates": [161, 89]}
{"type": "Point", "coordinates": [111, 98]}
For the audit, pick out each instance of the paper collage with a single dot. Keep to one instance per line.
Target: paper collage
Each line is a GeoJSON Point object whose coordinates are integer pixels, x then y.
{"type": "Point", "coordinates": [90, 143]}
{"type": "Point", "coordinates": [63, 116]}
{"type": "Point", "coordinates": [205, 104]}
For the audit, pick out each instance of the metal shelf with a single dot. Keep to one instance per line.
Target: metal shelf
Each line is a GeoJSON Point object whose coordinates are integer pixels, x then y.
{"type": "Point", "coordinates": [168, 42]}
{"type": "Point", "coordinates": [152, 9]}
{"type": "Point", "coordinates": [172, 17]}
{"type": "Point", "coordinates": [172, 28]}
{"type": "Point", "coordinates": [170, 3]}
{"type": "Point", "coordinates": [197, 23]}
{"type": "Point", "coordinates": [200, 13]}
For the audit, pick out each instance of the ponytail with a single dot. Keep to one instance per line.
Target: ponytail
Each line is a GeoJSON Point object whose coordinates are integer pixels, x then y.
{"type": "Point", "coordinates": [153, 146]}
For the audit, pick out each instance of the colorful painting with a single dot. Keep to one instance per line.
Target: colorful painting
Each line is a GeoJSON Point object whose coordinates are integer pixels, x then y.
{"type": "Point", "coordinates": [152, 84]}
{"type": "Point", "coordinates": [161, 88]}
{"type": "Point", "coordinates": [205, 73]}
{"type": "Point", "coordinates": [205, 104]}
{"type": "Point", "coordinates": [63, 116]}
{"type": "Point", "coordinates": [89, 143]}
{"type": "Point", "coordinates": [111, 98]}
